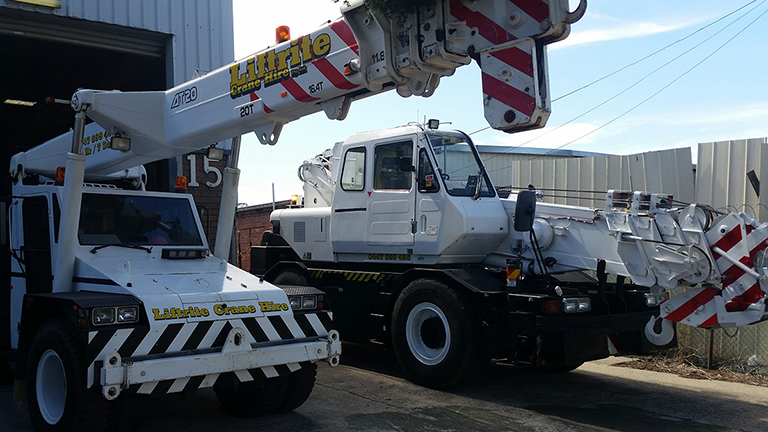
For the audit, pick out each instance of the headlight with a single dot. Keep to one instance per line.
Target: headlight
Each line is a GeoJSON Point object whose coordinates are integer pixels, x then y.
{"type": "Point", "coordinates": [576, 305]}
{"type": "Point", "coordinates": [653, 300]}
{"type": "Point", "coordinates": [103, 316]}
{"type": "Point", "coordinates": [295, 302]}
{"type": "Point", "coordinates": [308, 302]}
{"type": "Point", "coordinates": [585, 305]}
{"type": "Point", "coordinates": [127, 314]}
{"type": "Point", "coordinates": [112, 315]}
{"type": "Point", "coordinates": [304, 302]}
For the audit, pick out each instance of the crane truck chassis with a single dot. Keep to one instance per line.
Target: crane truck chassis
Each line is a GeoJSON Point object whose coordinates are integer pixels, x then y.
{"type": "Point", "coordinates": [404, 232]}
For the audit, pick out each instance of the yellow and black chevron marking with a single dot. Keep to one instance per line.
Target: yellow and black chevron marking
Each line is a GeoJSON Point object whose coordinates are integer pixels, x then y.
{"type": "Point", "coordinates": [164, 337]}
{"type": "Point", "coordinates": [353, 276]}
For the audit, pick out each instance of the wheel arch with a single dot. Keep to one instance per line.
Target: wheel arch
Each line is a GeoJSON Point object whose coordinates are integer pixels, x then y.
{"type": "Point", "coordinates": [39, 308]}
{"type": "Point", "coordinates": [469, 281]}
{"type": "Point", "coordinates": [35, 311]}
{"type": "Point", "coordinates": [279, 267]}
{"type": "Point", "coordinates": [485, 296]}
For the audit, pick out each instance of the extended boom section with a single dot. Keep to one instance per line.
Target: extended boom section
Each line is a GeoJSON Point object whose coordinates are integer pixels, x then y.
{"type": "Point", "coordinates": [646, 238]}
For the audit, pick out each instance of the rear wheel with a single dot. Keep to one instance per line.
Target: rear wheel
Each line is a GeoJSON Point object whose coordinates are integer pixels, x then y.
{"type": "Point", "coordinates": [290, 277]}
{"type": "Point", "coordinates": [250, 398]}
{"type": "Point", "coordinates": [433, 335]}
{"type": "Point", "coordinates": [300, 384]}
{"type": "Point", "coordinates": [56, 382]}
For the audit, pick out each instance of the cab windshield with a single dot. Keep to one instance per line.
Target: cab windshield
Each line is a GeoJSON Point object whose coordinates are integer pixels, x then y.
{"type": "Point", "coordinates": [137, 220]}
{"type": "Point", "coordinates": [459, 165]}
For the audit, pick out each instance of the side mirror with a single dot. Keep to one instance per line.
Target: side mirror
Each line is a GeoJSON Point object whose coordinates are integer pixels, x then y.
{"type": "Point", "coordinates": [525, 210]}
{"type": "Point", "coordinates": [406, 164]}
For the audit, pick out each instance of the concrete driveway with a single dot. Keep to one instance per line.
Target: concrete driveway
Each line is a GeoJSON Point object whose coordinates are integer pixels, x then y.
{"type": "Point", "coordinates": [368, 393]}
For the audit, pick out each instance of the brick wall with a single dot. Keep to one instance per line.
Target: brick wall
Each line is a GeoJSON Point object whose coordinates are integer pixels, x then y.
{"type": "Point", "coordinates": [251, 222]}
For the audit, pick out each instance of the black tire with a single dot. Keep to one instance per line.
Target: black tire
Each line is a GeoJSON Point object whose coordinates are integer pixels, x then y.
{"type": "Point", "coordinates": [290, 277]}
{"type": "Point", "coordinates": [250, 398]}
{"type": "Point", "coordinates": [300, 384]}
{"type": "Point", "coordinates": [433, 335]}
{"type": "Point", "coordinates": [57, 396]}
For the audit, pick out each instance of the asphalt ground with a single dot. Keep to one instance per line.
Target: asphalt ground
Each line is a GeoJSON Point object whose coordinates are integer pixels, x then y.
{"type": "Point", "coordinates": [369, 393]}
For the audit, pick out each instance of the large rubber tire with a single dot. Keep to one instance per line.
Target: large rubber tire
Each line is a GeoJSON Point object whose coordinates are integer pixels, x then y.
{"type": "Point", "coordinates": [433, 335]}
{"type": "Point", "coordinates": [57, 396]}
{"type": "Point", "coordinates": [250, 398]}
{"type": "Point", "coordinates": [300, 384]}
{"type": "Point", "coordinates": [290, 277]}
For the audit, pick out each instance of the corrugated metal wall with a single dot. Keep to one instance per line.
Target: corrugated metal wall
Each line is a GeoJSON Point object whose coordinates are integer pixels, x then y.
{"type": "Point", "coordinates": [500, 166]}
{"type": "Point", "coordinates": [202, 30]}
{"type": "Point", "coordinates": [721, 178]}
{"type": "Point", "coordinates": [667, 171]}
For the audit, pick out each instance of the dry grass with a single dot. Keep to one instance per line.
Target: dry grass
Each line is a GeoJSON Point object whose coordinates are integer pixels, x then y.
{"type": "Point", "coordinates": [678, 363]}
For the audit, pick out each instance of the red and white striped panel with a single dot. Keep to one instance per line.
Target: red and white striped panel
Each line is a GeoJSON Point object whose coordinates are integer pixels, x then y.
{"type": "Point", "coordinates": [493, 20]}
{"type": "Point", "coordinates": [509, 87]}
{"type": "Point", "coordinates": [696, 307]}
{"type": "Point", "coordinates": [742, 299]}
{"type": "Point", "coordinates": [328, 70]}
{"type": "Point", "coordinates": [510, 83]}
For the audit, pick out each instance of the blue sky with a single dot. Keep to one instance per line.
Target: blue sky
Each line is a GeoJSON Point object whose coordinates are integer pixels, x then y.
{"type": "Point", "coordinates": [725, 97]}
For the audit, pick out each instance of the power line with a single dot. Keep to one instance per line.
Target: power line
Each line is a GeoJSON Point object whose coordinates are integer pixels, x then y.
{"type": "Point", "coordinates": [654, 53]}
{"type": "Point", "coordinates": [666, 86]}
{"type": "Point", "coordinates": [678, 57]}
{"type": "Point", "coordinates": [638, 61]}
{"type": "Point", "coordinates": [642, 79]}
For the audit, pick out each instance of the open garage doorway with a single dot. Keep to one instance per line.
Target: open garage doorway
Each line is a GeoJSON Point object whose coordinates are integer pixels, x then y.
{"type": "Point", "coordinates": [46, 56]}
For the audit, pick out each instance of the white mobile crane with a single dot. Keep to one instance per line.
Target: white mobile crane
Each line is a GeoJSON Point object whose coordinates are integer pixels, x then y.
{"type": "Point", "coordinates": [114, 290]}
{"type": "Point", "coordinates": [404, 232]}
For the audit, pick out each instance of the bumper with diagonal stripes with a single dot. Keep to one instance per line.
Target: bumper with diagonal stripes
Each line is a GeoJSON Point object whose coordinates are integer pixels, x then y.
{"type": "Point", "coordinates": [183, 357]}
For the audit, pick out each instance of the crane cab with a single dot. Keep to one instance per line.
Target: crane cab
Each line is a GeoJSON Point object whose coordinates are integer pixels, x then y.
{"type": "Point", "coordinates": [402, 195]}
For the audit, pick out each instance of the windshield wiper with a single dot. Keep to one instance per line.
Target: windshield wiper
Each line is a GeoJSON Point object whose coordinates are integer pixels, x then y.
{"type": "Point", "coordinates": [125, 245]}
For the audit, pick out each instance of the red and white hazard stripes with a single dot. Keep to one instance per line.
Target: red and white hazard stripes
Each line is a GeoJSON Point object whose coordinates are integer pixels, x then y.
{"type": "Point", "coordinates": [327, 70]}
{"type": "Point", "coordinates": [162, 340]}
{"type": "Point", "coordinates": [735, 246]}
{"type": "Point", "coordinates": [513, 93]}
{"type": "Point", "coordinates": [509, 84]}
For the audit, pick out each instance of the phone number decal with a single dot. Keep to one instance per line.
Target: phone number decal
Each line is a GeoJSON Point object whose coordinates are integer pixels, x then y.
{"type": "Point", "coordinates": [389, 257]}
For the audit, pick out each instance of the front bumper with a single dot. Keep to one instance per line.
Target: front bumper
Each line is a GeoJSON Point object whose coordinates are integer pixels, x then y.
{"type": "Point", "coordinates": [175, 373]}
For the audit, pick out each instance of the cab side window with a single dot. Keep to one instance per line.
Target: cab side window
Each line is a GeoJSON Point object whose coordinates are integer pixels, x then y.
{"type": "Point", "coordinates": [393, 166]}
{"type": "Point", "coordinates": [353, 172]}
{"type": "Point", "coordinates": [427, 180]}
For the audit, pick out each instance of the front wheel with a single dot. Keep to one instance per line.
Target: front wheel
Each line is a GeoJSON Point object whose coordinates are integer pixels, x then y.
{"type": "Point", "coordinates": [433, 334]}
{"type": "Point", "coordinates": [300, 385]}
{"type": "Point", "coordinates": [250, 398]}
{"type": "Point", "coordinates": [56, 382]}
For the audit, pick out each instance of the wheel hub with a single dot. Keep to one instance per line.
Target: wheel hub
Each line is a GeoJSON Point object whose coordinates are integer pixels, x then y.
{"type": "Point", "coordinates": [428, 333]}
{"type": "Point", "coordinates": [51, 387]}
{"type": "Point", "coordinates": [433, 333]}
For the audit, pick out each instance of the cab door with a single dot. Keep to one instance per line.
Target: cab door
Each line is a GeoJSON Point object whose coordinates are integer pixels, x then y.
{"type": "Point", "coordinates": [391, 200]}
